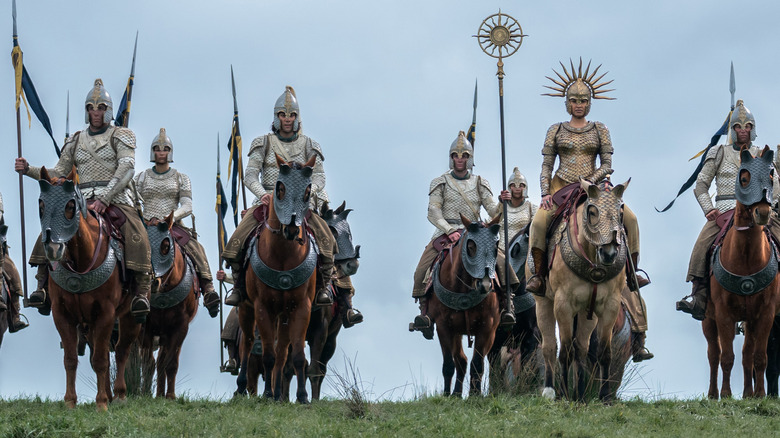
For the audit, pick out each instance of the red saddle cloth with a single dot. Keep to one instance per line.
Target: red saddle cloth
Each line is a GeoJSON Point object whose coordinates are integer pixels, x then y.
{"type": "Point", "coordinates": [181, 236]}
{"type": "Point", "coordinates": [567, 199]}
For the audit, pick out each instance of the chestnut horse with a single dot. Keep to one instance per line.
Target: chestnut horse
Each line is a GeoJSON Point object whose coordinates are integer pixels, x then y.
{"type": "Point", "coordinates": [84, 285]}
{"type": "Point", "coordinates": [5, 291]}
{"type": "Point", "coordinates": [173, 306]}
{"type": "Point", "coordinates": [588, 258]}
{"type": "Point", "coordinates": [281, 284]}
{"type": "Point", "coordinates": [464, 302]}
{"type": "Point", "coordinates": [744, 285]}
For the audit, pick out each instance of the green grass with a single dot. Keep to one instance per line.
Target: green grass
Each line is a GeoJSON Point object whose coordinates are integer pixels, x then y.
{"type": "Point", "coordinates": [431, 416]}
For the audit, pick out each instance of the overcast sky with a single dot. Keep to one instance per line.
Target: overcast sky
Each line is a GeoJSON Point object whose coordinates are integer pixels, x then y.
{"type": "Point", "coordinates": [385, 87]}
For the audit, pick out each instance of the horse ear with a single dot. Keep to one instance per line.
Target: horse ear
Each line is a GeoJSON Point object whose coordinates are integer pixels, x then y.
{"type": "Point", "coordinates": [162, 226]}
{"type": "Point", "coordinates": [745, 156]}
{"type": "Point", "coordinates": [169, 220]}
{"type": "Point", "coordinates": [620, 188]}
{"type": "Point", "coordinates": [311, 161]}
{"type": "Point", "coordinates": [324, 210]}
{"type": "Point", "coordinates": [464, 221]}
{"type": "Point", "coordinates": [45, 174]}
{"type": "Point", "coordinates": [495, 228]}
{"type": "Point", "coordinates": [346, 212]}
{"type": "Point", "coordinates": [495, 220]}
{"type": "Point", "coordinates": [591, 189]}
{"type": "Point", "coordinates": [768, 154]}
{"type": "Point", "coordinates": [279, 161]}
{"type": "Point", "coordinates": [72, 174]}
{"type": "Point", "coordinates": [340, 208]}
{"type": "Point", "coordinates": [44, 184]}
{"type": "Point", "coordinates": [307, 171]}
{"type": "Point", "coordinates": [357, 251]}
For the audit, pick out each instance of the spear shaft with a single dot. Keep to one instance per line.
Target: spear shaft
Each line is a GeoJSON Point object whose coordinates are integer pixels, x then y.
{"type": "Point", "coordinates": [19, 151]}
{"type": "Point", "coordinates": [220, 233]}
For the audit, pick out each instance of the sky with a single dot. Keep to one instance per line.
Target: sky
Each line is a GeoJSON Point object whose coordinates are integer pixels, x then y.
{"type": "Point", "coordinates": [385, 87]}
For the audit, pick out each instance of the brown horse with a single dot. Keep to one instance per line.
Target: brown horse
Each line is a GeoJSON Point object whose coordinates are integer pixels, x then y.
{"type": "Point", "coordinates": [594, 231]}
{"type": "Point", "coordinates": [464, 302]}
{"type": "Point", "coordinates": [173, 306]}
{"type": "Point", "coordinates": [84, 285]}
{"type": "Point", "coordinates": [744, 285]}
{"type": "Point", "coordinates": [281, 284]}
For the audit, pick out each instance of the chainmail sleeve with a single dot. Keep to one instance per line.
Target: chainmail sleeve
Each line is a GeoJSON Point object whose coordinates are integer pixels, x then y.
{"type": "Point", "coordinates": [124, 144]}
{"type": "Point", "coordinates": [65, 162]}
{"type": "Point", "coordinates": [435, 202]}
{"type": "Point", "coordinates": [549, 152]}
{"type": "Point", "coordinates": [492, 206]}
{"type": "Point", "coordinates": [705, 177]}
{"type": "Point", "coordinates": [605, 154]}
{"type": "Point", "coordinates": [255, 166]}
{"type": "Point", "coordinates": [185, 198]}
{"type": "Point", "coordinates": [318, 174]}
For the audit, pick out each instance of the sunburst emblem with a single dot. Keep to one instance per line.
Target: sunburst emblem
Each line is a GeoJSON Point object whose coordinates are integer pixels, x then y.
{"type": "Point", "coordinates": [500, 35]}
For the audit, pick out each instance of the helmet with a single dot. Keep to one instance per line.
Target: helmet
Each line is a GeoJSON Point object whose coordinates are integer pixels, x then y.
{"type": "Point", "coordinates": [462, 146]}
{"type": "Point", "coordinates": [518, 178]}
{"type": "Point", "coordinates": [162, 139]}
{"type": "Point", "coordinates": [287, 103]}
{"type": "Point", "coordinates": [578, 90]}
{"type": "Point", "coordinates": [578, 85]}
{"type": "Point", "coordinates": [98, 95]}
{"type": "Point", "coordinates": [741, 116]}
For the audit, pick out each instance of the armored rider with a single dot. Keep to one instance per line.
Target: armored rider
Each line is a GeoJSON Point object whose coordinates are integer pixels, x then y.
{"type": "Point", "coordinates": [104, 157]}
{"type": "Point", "coordinates": [577, 143]}
{"type": "Point", "coordinates": [457, 191]}
{"type": "Point", "coordinates": [165, 190]}
{"type": "Point", "coordinates": [520, 211]}
{"type": "Point", "coordinates": [721, 164]}
{"type": "Point", "coordinates": [11, 275]}
{"type": "Point", "coordinates": [288, 141]}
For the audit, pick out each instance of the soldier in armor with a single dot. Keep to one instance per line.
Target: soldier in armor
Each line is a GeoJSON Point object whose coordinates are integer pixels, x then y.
{"type": "Point", "coordinates": [457, 192]}
{"type": "Point", "coordinates": [577, 143]}
{"type": "Point", "coordinates": [520, 211]}
{"type": "Point", "coordinates": [165, 190]}
{"type": "Point", "coordinates": [11, 275]}
{"type": "Point", "coordinates": [721, 164]}
{"type": "Point", "coordinates": [104, 157]}
{"type": "Point", "coordinates": [288, 141]}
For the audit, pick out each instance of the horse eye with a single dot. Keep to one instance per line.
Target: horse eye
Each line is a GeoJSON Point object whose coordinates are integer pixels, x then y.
{"type": "Point", "coordinates": [471, 248]}
{"type": "Point", "coordinates": [593, 214]}
{"type": "Point", "coordinates": [744, 178]}
{"type": "Point", "coordinates": [40, 208]}
{"type": "Point", "coordinates": [165, 246]}
{"type": "Point", "coordinates": [70, 209]}
{"type": "Point", "coordinates": [280, 190]}
{"type": "Point", "coordinates": [307, 194]}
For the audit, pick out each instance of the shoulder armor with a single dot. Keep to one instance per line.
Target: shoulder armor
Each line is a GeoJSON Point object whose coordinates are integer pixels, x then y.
{"type": "Point", "coordinates": [484, 183]}
{"type": "Point", "coordinates": [315, 147]}
{"type": "Point", "coordinates": [126, 136]}
{"type": "Point", "coordinates": [712, 154]}
{"type": "Point", "coordinates": [438, 181]}
{"type": "Point", "coordinates": [258, 142]}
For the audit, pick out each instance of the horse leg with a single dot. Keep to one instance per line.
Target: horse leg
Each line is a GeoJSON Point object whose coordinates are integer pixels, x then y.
{"type": "Point", "coordinates": [773, 367]}
{"type": "Point", "coordinates": [248, 373]}
{"type": "Point", "coordinates": [128, 333]}
{"type": "Point", "coordinates": [501, 338]}
{"type": "Point", "coordinates": [582, 338]}
{"type": "Point", "coordinates": [69, 337]}
{"type": "Point", "coordinates": [318, 330]}
{"type": "Point", "coordinates": [175, 341]}
{"type": "Point", "coordinates": [748, 352]}
{"type": "Point", "coordinates": [298, 324]}
{"type": "Point", "coordinates": [268, 328]}
{"type": "Point", "coordinates": [546, 319]}
{"type": "Point", "coordinates": [482, 343]}
{"type": "Point", "coordinates": [726, 336]}
{"type": "Point", "coordinates": [605, 356]}
{"type": "Point", "coordinates": [448, 364]}
{"type": "Point", "coordinates": [461, 362]}
{"type": "Point", "coordinates": [282, 352]}
{"type": "Point", "coordinates": [100, 333]}
{"type": "Point", "coordinates": [710, 329]}
{"type": "Point", "coordinates": [761, 337]}
{"type": "Point", "coordinates": [565, 318]}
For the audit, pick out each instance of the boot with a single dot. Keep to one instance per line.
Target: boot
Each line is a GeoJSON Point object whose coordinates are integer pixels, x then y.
{"type": "Point", "coordinates": [324, 295]}
{"type": "Point", "coordinates": [210, 297]}
{"type": "Point", "coordinates": [16, 323]}
{"type": "Point", "coordinates": [3, 306]}
{"type": "Point", "coordinates": [350, 316]}
{"type": "Point", "coordinates": [697, 304]}
{"type": "Point", "coordinates": [507, 319]}
{"type": "Point", "coordinates": [638, 349]}
{"type": "Point", "coordinates": [142, 288]}
{"type": "Point", "coordinates": [422, 322]}
{"type": "Point", "coordinates": [641, 281]}
{"type": "Point", "coordinates": [536, 284]}
{"type": "Point", "coordinates": [40, 297]}
{"type": "Point", "coordinates": [231, 366]}
{"type": "Point", "coordinates": [239, 287]}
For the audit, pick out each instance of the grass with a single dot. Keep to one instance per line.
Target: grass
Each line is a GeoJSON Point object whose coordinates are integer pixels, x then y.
{"type": "Point", "coordinates": [430, 416]}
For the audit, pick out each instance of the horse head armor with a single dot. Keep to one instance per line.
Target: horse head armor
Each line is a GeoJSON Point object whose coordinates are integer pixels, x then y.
{"type": "Point", "coordinates": [293, 190]}
{"type": "Point", "coordinates": [339, 227]}
{"type": "Point", "coordinates": [60, 208]}
{"type": "Point", "coordinates": [479, 248]}
{"type": "Point", "coordinates": [754, 179]}
{"type": "Point", "coordinates": [163, 247]}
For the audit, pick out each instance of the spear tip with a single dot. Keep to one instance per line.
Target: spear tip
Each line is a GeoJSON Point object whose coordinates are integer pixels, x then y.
{"type": "Point", "coordinates": [13, 14]}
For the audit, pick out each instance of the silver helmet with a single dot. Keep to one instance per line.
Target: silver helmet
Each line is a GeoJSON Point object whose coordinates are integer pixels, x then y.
{"type": "Point", "coordinates": [518, 178]}
{"type": "Point", "coordinates": [287, 103]}
{"type": "Point", "coordinates": [742, 116]}
{"type": "Point", "coordinates": [98, 95]}
{"type": "Point", "coordinates": [161, 140]}
{"type": "Point", "coordinates": [459, 147]}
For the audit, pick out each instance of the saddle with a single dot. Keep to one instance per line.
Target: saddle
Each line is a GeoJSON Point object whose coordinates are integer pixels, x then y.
{"type": "Point", "coordinates": [114, 218]}
{"type": "Point", "coordinates": [567, 199]}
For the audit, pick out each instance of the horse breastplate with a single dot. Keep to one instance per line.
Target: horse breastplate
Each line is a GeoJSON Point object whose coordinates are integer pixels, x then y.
{"type": "Point", "coordinates": [80, 283]}
{"type": "Point", "coordinates": [744, 285]}
{"type": "Point", "coordinates": [455, 300]}
{"type": "Point", "coordinates": [283, 280]}
{"type": "Point", "coordinates": [165, 300]}
{"type": "Point", "coordinates": [594, 273]}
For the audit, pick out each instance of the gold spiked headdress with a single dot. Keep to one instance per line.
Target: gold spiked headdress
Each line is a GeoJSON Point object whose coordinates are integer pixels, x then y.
{"type": "Point", "coordinates": [576, 84]}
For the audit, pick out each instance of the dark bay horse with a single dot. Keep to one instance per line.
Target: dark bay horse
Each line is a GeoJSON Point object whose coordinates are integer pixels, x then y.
{"type": "Point", "coordinates": [283, 255]}
{"type": "Point", "coordinates": [84, 285]}
{"type": "Point", "coordinates": [586, 279]}
{"type": "Point", "coordinates": [744, 285]}
{"type": "Point", "coordinates": [174, 304]}
{"type": "Point", "coordinates": [5, 291]}
{"type": "Point", "coordinates": [464, 302]}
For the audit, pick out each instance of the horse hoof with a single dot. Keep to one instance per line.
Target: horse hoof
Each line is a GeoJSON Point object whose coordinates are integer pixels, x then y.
{"type": "Point", "coordinates": [548, 393]}
{"type": "Point", "coordinates": [102, 407]}
{"type": "Point", "coordinates": [303, 400]}
{"type": "Point", "coordinates": [119, 401]}
{"type": "Point", "coordinates": [70, 404]}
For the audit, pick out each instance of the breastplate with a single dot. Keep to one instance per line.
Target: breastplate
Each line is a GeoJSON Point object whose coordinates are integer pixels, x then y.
{"type": "Point", "coordinates": [577, 150]}
{"type": "Point", "coordinates": [517, 219]}
{"type": "Point", "coordinates": [160, 193]}
{"type": "Point", "coordinates": [292, 151]}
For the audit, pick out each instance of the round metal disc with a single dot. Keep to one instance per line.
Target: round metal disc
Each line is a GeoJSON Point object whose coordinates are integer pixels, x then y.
{"type": "Point", "coordinates": [500, 35]}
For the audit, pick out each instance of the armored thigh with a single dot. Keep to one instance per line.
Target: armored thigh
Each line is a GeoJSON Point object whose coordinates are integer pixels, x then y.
{"type": "Point", "coordinates": [12, 275]}
{"type": "Point", "coordinates": [538, 232]}
{"type": "Point", "coordinates": [198, 255]}
{"type": "Point", "coordinates": [774, 226]}
{"type": "Point", "coordinates": [38, 255]}
{"type": "Point", "coordinates": [345, 283]}
{"type": "Point", "coordinates": [231, 329]}
{"type": "Point", "coordinates": [697, 267]}
{"type": "Point", "coordinates": [138, 255]}
{"type": "Point", "coordinates": [636, 307]}
{"type": "Point", "coordinates": [428, 256]}
{"type": "Point", "coordinates": [632, 229]}
{"type": "Point", "coordinates": [323, 237]}
{"type": "Point", "coordinates": [500, 265]}
{"type": "Point", "coordinates": [234, 252]}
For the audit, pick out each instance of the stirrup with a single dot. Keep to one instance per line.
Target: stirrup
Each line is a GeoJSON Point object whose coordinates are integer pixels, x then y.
{"type": "Point", "coordinates": [323, 298]}
{"type": "Point", "coordinates": [37, 299]}
{"type": "Point", "coordinates": [18, 324]}
{"type": "Point", "coordinates": [352, 317]}
{"type": "Point", "coordinates": [230, 367]}
{"type": "Point", "coordinates": [139, 308]}
{"type": "Point", "coordinates": [642, 354]}
{"type": "Point", "coordinates": [540, 291]}
{"type": "Point", "coordinates": [507, 320]}
{"type": "Point", "coordinates": [690, 307]}
{"type": "Point", "coordinates": [234, 299]}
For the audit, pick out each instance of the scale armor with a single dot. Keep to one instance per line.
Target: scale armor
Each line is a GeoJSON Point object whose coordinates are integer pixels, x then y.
{"type": "Point", "coordinates": [722, 164]}
{"type": "Point", "coordinates": [165, 193]}
{"type": "Point", "coordinates": [96, 96]}
{"type": "Point", "coordinates": [162, 140]}
{"type": "Point", "coordinates": [517, 219]}
{"type": "Point", "coordinates": [262, 171]}
{"type": "Point", "coordinates": [577, 149]}
{"type": "Point", "coordinates": [287, 103]}
{"type": "Point", "coordinates": [108, 166]}
{"type": "Point", "coordinates": [445, 203]}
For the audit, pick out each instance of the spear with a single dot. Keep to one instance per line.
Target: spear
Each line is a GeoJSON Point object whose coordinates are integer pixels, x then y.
{"type": "Point", "coordinates": [235, 114]}
{"type": "Point", "coordinates": [732, 90]}
{"type": "Point", "coordinates": [220, 246]}
{"type": "Point", "coordinates": [123, 112]}
{"type": "Point", "coordinates": [16, 56]}
{"type": "Point", "coordinates": [67, 120]}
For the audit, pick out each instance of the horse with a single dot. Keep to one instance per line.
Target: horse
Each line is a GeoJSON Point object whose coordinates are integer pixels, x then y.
{"type": "Point", "coordinates": [84, 285]}
{"type": "Point", "coordinates": [744, 283]}
{"type": "Point", "coordinates": [773, 359]}
{"type": "Point", "coordinates": [173, 306]}
{"type": "Point", "coordinates": [5, 291]}
{"type": "Point", "coordinates": [579, 286]}
{"type": "Point", "coordinates": [462, 303]}
{"type": "Point", "coordinates": [282, 282]}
